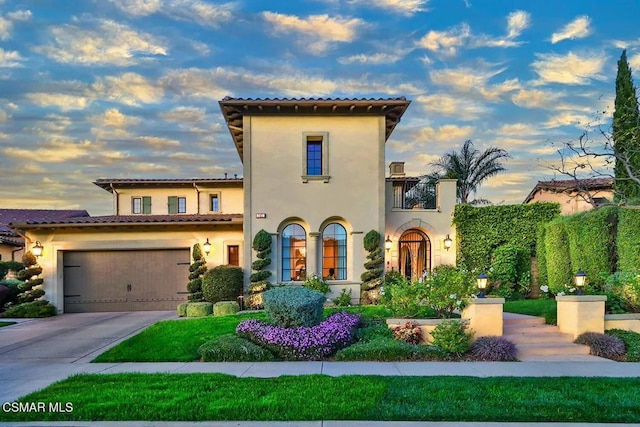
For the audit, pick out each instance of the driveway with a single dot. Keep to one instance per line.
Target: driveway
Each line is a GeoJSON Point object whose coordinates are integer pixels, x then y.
{"type": "Point", "coordinates": [36, 352]}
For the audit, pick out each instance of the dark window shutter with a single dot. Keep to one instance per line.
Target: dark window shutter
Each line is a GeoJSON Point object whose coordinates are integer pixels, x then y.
{"type": "Point", "coordinates": [173, 205]}
{"type": "Point", "coordinates": [146, 205]}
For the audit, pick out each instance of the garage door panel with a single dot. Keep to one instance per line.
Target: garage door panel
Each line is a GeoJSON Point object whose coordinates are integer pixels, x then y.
{"type": "Point", "coordinates": [125, 280]}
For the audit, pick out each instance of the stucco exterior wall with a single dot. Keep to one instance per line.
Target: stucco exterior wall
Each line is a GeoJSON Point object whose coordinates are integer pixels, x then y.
{"type": "Point", "coordinates": [167, 237]}
{"type": "Point", "coordinates": [353, 196]}
{"type": "Point", "coordinates": [435, 223]}
{"type": "Point", "coordinates": [570, 203]}
{"type": "Point", "coordinates": [6, 252]}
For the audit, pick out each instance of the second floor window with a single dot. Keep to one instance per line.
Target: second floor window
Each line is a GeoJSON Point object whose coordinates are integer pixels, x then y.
{"type": "Point", "coordinates": [177, 205]}
{"type": "Point", "coordinates": [214, 205]}
{"type": "Point", "coordinates": [141, 205]}
{"type": "Point", "coordinates": [314, 157]}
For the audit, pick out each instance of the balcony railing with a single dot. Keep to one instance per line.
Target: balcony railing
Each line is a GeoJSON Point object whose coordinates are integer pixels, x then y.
{"type": "Point", "coordinates": [414, 195]}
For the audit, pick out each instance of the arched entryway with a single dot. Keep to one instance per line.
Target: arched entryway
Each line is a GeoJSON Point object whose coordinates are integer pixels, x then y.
{"type": "Point", "coordinates": [415, 254]}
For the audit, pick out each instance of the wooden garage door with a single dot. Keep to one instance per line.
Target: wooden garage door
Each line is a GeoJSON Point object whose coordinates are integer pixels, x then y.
{"type": "Point", "coordinates": [125, 280]}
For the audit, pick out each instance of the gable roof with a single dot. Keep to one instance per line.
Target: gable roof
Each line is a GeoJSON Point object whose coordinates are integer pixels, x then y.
{"type": "Point", "coordinates": [108, 184]}
{"type": "Point", "coordinates": [234, 110]}
{"type": "Point", "coordinates": [8, 216]}
{"type": "Point", "coordinates": [568, 185]}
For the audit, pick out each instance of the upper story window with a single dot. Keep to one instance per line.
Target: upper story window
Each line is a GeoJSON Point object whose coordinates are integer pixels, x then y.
{"type": "Point", "coordinates": [294, 253]}
{"type": "Point", "coordinates": [214, 203]}
{"type": "Point", "coordinates": [141, 205]}
{"type": "Point", "coordinates": [177, 205]}
{"type": "Point", "coordinates": [315, 156]}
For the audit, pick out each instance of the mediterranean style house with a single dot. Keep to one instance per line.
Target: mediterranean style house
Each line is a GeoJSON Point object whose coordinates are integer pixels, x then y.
{"type": "Point", "coordinates": [314, 177]}
{"type": "Point", "coordinates": [573, 195]}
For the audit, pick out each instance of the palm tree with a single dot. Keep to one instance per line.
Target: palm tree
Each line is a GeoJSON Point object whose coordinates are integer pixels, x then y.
{"type": "Point", "coordinates": [470, 167]}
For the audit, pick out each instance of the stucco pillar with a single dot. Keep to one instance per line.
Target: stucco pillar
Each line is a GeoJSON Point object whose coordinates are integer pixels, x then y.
{"type": "Point", "coordinates": [484, 316]}
{"type": "Point", "coordinates": [581, 313]}
{"type": "Point", "coordinates": [313, 265]}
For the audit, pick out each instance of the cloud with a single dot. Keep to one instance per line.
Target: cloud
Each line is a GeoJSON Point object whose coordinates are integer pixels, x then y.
{"type": "Point", "coordinates": [194, 82]}
{"type": "Point", "coordinates": [20, 15]}
{"type": "Point", "coordinates": [517, 22]}
{"type": "Point", "coordinates": [454, 106]}
{"type": "Point", "coordinates": [128, 89]}
{"type": "Point", "coordinates": [446, 133]}
{"type": "Point", "coordinates": [576, 29]}
{"type": "Point", "coordinates": [446, 42]}
{"type": "Point", "coordinates": [5, 28]}
{"type": "Point", "coordinates": [373, 59]}
{"type": "Point", "coordinates": [634, 62]}
{"type": "Point", "coordinates": [10, 59]}
{"type": "Point", "coordinates": [401, 7]}
{"type": "Point", "coordinates": [3, 116]}
{"type": "Point", "coordinates": [570, 69]}
{"type": "Point", "coordinates": [536, 98]}
{"type": "Point", "coordinates": [507, 179]}
{"type": "Point", "coordinates": [568, 118]}
{"type": "Point", "coordinates": [104, 43]}
{"type": "Point", "coordinates": [197, 11]}
{"type": "Point", "coordinates": [56, 150]}
{"type": "Point", "coordinates": [517, 129]}
{"type": "Point", "coordinates": [184, 115]}
{"type": "Point", "coordinates": [474, 80]}
{"type": "Point", "coordinates": [115, 119]}
{"type": "Point", "coordinates": [158, 142]}
{"type": "Point", "coordinates": [319, 32]}
{"type": "Point", "coordinates": [6, 25]}
{"type": "Point", "coordinates": [62, 101]}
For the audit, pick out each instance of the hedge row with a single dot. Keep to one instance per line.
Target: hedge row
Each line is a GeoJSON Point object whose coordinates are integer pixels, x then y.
{"type": "Point", "coordinates": [628, 239]}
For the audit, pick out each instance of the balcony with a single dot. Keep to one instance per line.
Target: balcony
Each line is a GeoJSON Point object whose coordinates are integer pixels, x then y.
{"type": "Point", "coordinates": [414, 193]}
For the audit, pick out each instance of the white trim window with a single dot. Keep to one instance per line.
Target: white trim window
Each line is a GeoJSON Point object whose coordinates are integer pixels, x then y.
{"type": "Point", "coordinates": [315, 156]}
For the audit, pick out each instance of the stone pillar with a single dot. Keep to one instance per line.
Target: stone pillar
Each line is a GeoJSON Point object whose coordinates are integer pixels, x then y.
{"type": "Point", "coordinates": [314, 264]}
{"type": "Point", "coordinates": [581, 313]}
{"type": "Point", "coordinates": [484, 316]}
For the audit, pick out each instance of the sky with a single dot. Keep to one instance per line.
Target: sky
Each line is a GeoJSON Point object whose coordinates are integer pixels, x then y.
{"type": "Point", "coordinates": [130, 88]}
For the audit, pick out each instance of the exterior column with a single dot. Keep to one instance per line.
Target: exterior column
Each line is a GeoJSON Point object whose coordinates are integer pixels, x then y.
{"type": "Point", "coordinates": [313, 265]}
{"type": "Point", "coordinates": [581, 313]}
{"type": "Point", "coordinates": [484, 316]}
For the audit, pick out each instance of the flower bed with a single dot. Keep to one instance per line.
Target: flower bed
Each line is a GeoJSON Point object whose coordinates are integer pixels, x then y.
{"type": "Point", "coordinates": [302, 343]}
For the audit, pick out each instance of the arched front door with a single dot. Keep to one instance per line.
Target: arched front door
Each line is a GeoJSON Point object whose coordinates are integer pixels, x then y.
{"type": "Point", "coordinates": [415, 254]}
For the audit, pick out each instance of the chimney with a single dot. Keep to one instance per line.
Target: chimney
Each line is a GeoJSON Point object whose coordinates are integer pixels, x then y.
{"type": "Point", "coordinates": [225, 175]}
{"type": "Point", "coordinates": [396, 170]}
{"type": "Point", "coordinates": [235, 175]}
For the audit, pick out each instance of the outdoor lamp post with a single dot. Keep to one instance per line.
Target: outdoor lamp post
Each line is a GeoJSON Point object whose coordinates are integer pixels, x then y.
{"type": "Point", "coordinates": [580, 278]}
{"type": "Point", "coordinates": [482, 283]}
{"type": "Point", "coordinates": [447, 242]}
{"type": "Point", "coordinates": [37, 249]}
{"type": "Point", "coordinates": [387, 244]}
{"type": "Point", "coordinates": [207, 247]}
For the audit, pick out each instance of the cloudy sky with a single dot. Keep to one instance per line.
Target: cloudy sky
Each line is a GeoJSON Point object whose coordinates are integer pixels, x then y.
{"type": "Point", "coordinates": [129, 88]}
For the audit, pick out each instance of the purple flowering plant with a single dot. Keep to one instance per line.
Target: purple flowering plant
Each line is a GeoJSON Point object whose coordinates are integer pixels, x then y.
{"type": "Point", "coordinates": [303, 342]}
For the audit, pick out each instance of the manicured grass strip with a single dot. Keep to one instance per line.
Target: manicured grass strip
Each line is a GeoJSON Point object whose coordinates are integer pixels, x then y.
{"type": "Point", "coordinates": [534, 307]}
{"type": "Point", "coordinates": [173, 340]}
{"type": "Point", "coordinates": [216, 397]}
{"type": "Point", "coordinates": [7, 324]}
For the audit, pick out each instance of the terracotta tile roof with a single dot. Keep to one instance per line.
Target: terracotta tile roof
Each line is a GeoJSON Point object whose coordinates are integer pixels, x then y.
{"type": "Point", "coordinates": [8, 216]}
{"type": "Point", "coordinates": [133, 220]}
{"type": "Point", "coordinates": [560, 186]}
{"type": "Point", "coordinates": [106, 183]}
{"type": "Point", "coordinates": [234, 109]}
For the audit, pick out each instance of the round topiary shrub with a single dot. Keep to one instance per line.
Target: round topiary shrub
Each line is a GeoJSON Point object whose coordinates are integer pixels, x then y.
{"type": "Point", "coordinates": [223, 308]}
{"type": "Point", "coordinates": [182, 309]}
{"type": "Point", "coordinates": [222, 283]}
{"type": "Point", "coordinates": [603, 345]}
{"type": "Point", "coordinates": [291, 306]}
{"type": "Point", "coordinates": [199, 309]}
{"type": "Point", "coordinates": [232, 348]}
{"type": "Point", "coordinates": [493, 349]}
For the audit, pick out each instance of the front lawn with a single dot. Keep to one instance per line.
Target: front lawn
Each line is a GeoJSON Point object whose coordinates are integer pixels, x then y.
{"type": "Point", "coordinates": [6, 324]}
{"type": "Point", "coordinates": [209, 397]}
{"type": "Point", "coordinates": [534, 307]}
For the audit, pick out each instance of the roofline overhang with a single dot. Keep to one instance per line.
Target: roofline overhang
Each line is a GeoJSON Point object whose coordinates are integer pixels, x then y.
{"type": "Point", "coordinates": [234, 110]}
{"type": "Point", "coordinates": [29, 227]}
{"type": "Point", "coordinates": [111, 184]}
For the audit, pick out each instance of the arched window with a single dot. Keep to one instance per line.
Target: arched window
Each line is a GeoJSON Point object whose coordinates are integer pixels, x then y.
{"type": "Point", "coordinates": [334, 252]}
{"type": "Point", "coordinates": [294, 253]}
{"type": "Point", "coordinates": [415, 254]}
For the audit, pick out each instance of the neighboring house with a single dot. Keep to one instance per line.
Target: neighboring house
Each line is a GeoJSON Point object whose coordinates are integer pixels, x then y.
{"type": "Point", "coordinates": [573, 195]}
{"type": "Point", "coordinates": [12, 240]}
{"type": "Point", "coordinates": [314, 178]}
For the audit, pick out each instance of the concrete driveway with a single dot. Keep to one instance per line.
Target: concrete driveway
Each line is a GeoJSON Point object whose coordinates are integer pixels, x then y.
{"type": "Point", "coordinates": [36, 352]}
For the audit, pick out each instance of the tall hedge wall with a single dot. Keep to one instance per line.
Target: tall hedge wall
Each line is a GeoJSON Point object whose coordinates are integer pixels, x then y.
{"type": "Point", "coordinates": [628, 239]}
{"type": "Point", "coordinates": [480, 230]}
{"type": "Point", "coordinates": [557, 255]}
{"type": "Point", "coordinates": [541, 256]}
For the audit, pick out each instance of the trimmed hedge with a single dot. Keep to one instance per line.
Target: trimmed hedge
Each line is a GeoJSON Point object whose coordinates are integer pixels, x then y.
{"type": "Point", "coordinates": [541, 256]}
{"type": "Point", "coordinates": [222, 283]}
{"type": "Point", "coordinates": [232, 348]}
{"type": "Point", "coordinates": [292, 306]}
{"type": "Point", "coordinates": [557, 255]}
{"type": "Point", "coordinates": [389, 350]}
{"type": "Point", "coordinates": [482, 229]}
{"type": "Point", "coordinates": [182, 309]}
{"type": "Point", "coordinates": [223, 308]}
{"type": "Point", "coordinates": [199, 309]}
{"type": "Point", "coordinates": [38, 308]}
{"type": "Point", "coordinates": [628, 239]}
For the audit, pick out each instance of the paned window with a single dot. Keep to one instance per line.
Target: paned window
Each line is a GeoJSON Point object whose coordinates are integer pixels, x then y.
{"type": "Point", "coordinates": [294, 253]}
{"type": "Point", "coordinates": [177, 205]}
{"type": "Point", "coordinates": [314, 157]}
{"type": "Point", "coordinates": [214, 205]}
{"type": "Point", "coordinates": [334, 252]}
{"type": "Point", "coordinates": [141, 205]}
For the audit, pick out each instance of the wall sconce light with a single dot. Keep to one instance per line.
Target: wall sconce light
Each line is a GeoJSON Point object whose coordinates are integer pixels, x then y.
{"type": "Point", "coordinates": [387, 244]}
{"type": "Point", "coordinates": [580, 278]}
{"type": "Point", "coordinates": [37, 249]}
{"type": "Point", "coordinates": [482, 279]}
{"type": "Point", "coordinates": [447, 242]}
{"type": "Point", "coordinates": [207, 247]}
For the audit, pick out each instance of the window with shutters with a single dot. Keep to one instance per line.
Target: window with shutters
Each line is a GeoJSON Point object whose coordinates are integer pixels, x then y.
{"type": "Point", "coordinates": [177, 205]}
{"type": "Point", "coordinates": [141, 205]}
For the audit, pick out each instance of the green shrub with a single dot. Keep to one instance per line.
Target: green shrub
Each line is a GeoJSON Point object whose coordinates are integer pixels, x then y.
{"type": "Point", "coordinates": [38, 308]}
{"type": "Point", "coordinates": [370, 333]}
{"type": "Point", "coordinates": [452, 337]}
{"type": "Point", "coordinates": [403, 298]}
{"type": "Point", "coordinates": [254, 299]}
{"type": "Point", "coordinates": [603, 345]}
{"type": "Point", "coordinates": [223, 308]}
{"type": "Point", "coordinates": [182, 309]}
{"type": "Point", "coordinates": [344, 299]}
{"type": "Point", "coordinates": [493, 349]}
{"type": "Point", "coordinates": [262, 245]}
{"type": "Point", "coordinates": [196, 270]}
{"type": "Point", "coordinates": [559, 272]}
{"type": "Point", "coordinates": [541, 257]}
{"type": "Point", "coordinates": [222, 283]}
{"type": "Point", "coordinates": [623, 292]}
{"type": "Point", "coordinates": [372, 277]}
{"type": "Point", "coordinates": [389, 350]}
{"type": "Point", "coordinates": [509, 270]}
{"type": "Point", "coordinates": [447, 288]}
{"type": "Point", "coordinates": [6, 266]}
{"type": "Point", "coordinates": [199, 309]}
{"type": "Point", "coordinates": [291, 306]}
{"type": "Point", "coordinates": [631, 342]}
{"type": "Point", "coordinates": [628, 239]}
{"type": "Point", "coordinates": [231, 348]}
{"type": "Point", "coordinates": [316, 283]}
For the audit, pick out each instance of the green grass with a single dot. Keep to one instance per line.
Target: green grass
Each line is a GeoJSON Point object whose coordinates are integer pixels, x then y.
{"type": "Point", "coordinates": [631, 342]}
{"type": "Point", "coordinates": [209, 397]}
{"type": "Point", "coordinates": [7, 324]}
{"type": "Point", "coordinates": [534, 307]}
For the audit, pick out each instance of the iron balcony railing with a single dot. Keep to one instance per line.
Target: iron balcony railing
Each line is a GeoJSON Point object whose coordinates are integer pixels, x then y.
{"type": "Point", "coordinates": [412, 194]}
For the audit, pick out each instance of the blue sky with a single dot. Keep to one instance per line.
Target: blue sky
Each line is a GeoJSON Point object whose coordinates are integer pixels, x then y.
{"type": "Point", "coordinates": [129, 88]}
